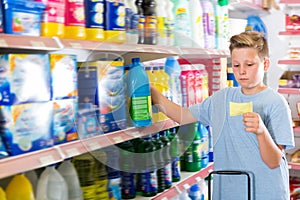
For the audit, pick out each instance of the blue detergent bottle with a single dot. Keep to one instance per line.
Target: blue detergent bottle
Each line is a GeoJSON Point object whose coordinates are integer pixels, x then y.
{"type": "Point", "coordinates": [139, 94]}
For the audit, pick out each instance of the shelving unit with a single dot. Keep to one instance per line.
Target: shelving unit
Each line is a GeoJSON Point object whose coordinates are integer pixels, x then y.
{"type": "Point", "coordinates": [241, 9]}
{"type": "Point", "coordinates": [33, 160]}
{"type": "Point", "coordinates": [85, 50]}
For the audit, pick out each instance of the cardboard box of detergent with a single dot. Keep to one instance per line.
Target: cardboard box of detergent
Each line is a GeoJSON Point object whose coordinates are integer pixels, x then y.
{"type": "Point", "coordinates": [26, 127]}
{"type": "Point", "coordinates": [102, 83]}
{"type": "Point", "coordinates": [64, 120]}
{"type": "Point", "coordinates": [24, 78]}
{"type": "Point", "coordinates": [63, 70]}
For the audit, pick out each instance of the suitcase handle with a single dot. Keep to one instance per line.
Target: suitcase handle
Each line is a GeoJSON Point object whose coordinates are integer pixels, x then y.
{"type": "Point", "coordinates": [229, 172]}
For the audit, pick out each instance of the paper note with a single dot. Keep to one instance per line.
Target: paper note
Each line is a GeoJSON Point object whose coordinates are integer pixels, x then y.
{"type": "Point", "coordinates": [240, 108]}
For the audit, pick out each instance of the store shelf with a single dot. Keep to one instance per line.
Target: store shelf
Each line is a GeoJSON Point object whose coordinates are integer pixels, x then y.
{"type": "Point", "coordinates": [289, 62]}
{"type": "Point", "coordinates": [33, 160]}
{"type": "Point", "coordinates": [187, 180]}
{"type": "Point", "coordinates": [241, 10]}
{"type": "Point", "coordinates": [31, 43]}
{"type": "Point", "coordinates": [289, 33]}
{"type": "Point", "coordinates": [295, 166]}
{"type": "Point", "coordinates": [289, 90]}
{"type": "Point", "coordinates": [289, 1]}
{"type": "Point", "coordinates": [91, 50]}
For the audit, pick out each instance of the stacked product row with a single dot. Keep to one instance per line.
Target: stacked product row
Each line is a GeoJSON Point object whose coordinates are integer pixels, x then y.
{"type": "Point", "coordinates": [140, 167]}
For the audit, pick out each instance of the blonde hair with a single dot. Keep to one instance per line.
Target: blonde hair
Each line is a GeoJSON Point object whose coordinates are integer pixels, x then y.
{"type": "Point", "coordinates": [250, 39]}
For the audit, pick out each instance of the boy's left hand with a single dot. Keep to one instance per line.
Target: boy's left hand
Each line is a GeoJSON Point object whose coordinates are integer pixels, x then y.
{"type": "Point", "coordinates": [253, 123]}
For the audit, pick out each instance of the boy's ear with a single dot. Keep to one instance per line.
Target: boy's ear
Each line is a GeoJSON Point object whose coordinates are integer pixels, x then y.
{"type": "Point", "coordinates": [266, 63]}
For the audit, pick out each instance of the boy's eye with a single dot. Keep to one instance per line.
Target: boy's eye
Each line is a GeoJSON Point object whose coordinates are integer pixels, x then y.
{"type": "Point", "coordinates": [249, 64]}
{"type": "Point", "coordinates": [236, 65]}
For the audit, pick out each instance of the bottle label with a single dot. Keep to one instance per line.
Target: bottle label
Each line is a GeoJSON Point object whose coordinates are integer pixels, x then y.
{"type": "Point", "coordinates": [176, 168]}
{"type": "Point", "coordinates": [75, 16]}
{"type": "Point", "coordinates": [168, 174]}
{"type": "Point", "coordinates": [140, 108]}
{"type": "Point", "coordinates": [149, 182]}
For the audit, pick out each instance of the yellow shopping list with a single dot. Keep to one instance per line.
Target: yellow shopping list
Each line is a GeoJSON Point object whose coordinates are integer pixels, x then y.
{"type": "Point", "coordinates": [239, 108]}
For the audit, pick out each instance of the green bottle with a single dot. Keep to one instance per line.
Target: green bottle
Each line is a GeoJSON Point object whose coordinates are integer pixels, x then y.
{"type": "Point", "coordinates": [148, 176]}
{"type": "Point", "coordinates": [159, 160]}
{"type": "Point", "coordinates": [126, 163]}
{"type": "Point", "coordinates": [192, 156]}
{"type": "Point", "coordinates": [167, 157]}
{"type": "Point", "coordinates": [175, 154]}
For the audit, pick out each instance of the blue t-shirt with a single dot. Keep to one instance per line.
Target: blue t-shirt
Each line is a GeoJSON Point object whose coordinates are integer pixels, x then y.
{"type": "Point", "coordinates": [236, 149]}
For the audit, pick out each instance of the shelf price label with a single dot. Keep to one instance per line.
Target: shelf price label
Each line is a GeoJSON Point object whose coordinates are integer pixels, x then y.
{"type": "Point", "coordinates": [37, 44]}
{"type": "Point", "coordinates": [118, 139]}
{"type": "Point", "coordinates": [75, 45]}
{"type": "Point", "coordinates": [47, 160]}
{"type": "Point", "coordinates": [94, 146]}
{"type": "Point", "coordinates": [72, 152]}
{"type": "Point", "coordinates": [3, 43]}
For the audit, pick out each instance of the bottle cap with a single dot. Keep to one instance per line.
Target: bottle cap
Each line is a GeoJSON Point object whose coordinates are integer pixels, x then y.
{"type": "Point", "coordinates": [195, 188]}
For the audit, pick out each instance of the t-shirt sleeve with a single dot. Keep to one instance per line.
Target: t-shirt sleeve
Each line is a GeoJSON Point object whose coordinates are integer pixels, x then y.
{"type": "Point", "coordinates": [202, 111]}
{"type": "Point", "coordinates": [280, 123]}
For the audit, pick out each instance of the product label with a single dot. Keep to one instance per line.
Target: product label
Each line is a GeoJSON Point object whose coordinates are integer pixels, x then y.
{"type": "Point", "coordinates": [95, 12]}
{"type": "Point", "coordinates": [114, 15]}
{"type": "Point", "coordinates": [140, 108]}
{"type": "Point", "coordinates": [26, 23]}
{"type": "Point", "coordinates": [75, 16]}
{"type": "Point", "coordinates": [54, 12]}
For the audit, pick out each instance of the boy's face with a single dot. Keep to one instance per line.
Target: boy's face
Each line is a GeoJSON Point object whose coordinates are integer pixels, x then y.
{"type": "Point", "coordinates": [249, 69]}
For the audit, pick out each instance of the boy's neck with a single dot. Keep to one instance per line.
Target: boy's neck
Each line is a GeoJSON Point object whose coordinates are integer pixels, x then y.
{"type": "Point", "coordinates": [254, 90]}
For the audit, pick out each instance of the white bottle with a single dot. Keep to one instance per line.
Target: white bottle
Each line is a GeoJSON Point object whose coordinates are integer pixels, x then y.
{"type": "Point", "coordinates": [51, 185]}
{"type": "Point", "coordinates": [68, 171]}
{"type": "Point", "coordinates": [209, 24]}
{"type": "Point", "coordinates": [182, 24]}
{"type": "Point", "coordinates": [169, 22]}
{"type": "Point", "coordinates": [131, 22]}
{"type": "Point", "coordinates": [196, 14]}
{"type": "Point", "coordinates": [161, 20]}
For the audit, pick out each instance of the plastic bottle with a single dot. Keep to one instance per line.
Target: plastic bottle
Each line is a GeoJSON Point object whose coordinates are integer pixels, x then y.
{"type": "Point", "coordinates": [139, 94]}
{"type": "Point", "coordinates": [194, 192]}
{"type": "Point", "coordinates": [167, 157]}
{"type": "Point", "coordinates": [51, 185]}
{"type": "Point", "coordinates": [196, 13]}
{"type": "Point", "coordinates": [126, 164]}
{"type": "Point", "coordinates": [131, 22]}
{"type": "Point", "coordinates": [169, 22]}
{"type": "Point", "coordinates": [68, 171]}
{"type": "Point", "coordinates": [159, 160]}
{"type": "Point", "coordinates": [254, 23]}
{"type": "Point", "coordinates": [161, 22]}
{"type": "Point", "coordinates": [2, 194]}
{"type": "Point", "coordinates": [149, 176]}
{"type": "Point", "coordinates": [209, 26]}
{"type": "Point", "coordinates": [182, 23]}
{"type": "Point", "coordinates": [223, 31]}
{"type": "Point", "coordinates": [74, 20]}
{"type": "Point", "coordinates": [193, 153]}
{"type": "Point", "coordinates": [172, 68]}
{"type": "Point", "coordinates": [100, 174]}
{"type": "Point", "coordinates": [94, 19]}
{"type": "Point", "coordinates": [84, 165]}
{"type": "Point", "coordinates": [149, 10]}
{"type": "Point", "coordinates": [184, 195]}
{"type": "Point", "coordinates": [175, 155]}
{"type": "Point", "coordinates": [53, 23]}
{"type": "Point", "coordinates": [19, 188]}
{"type": "Point", "coordinates": [32, 176]}
{"type": "Point", "coordinates": [113, 173]}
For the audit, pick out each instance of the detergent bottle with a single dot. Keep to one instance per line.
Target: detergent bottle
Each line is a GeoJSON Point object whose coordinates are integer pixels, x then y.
{"type": "Point", "coordinates": [19, 188]}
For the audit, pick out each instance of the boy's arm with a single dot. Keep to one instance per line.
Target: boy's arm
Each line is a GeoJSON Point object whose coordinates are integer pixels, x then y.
{"type": "Point", "coordinates": [172, 110]}
{"type": "Point", "coordinates": [270, 153]}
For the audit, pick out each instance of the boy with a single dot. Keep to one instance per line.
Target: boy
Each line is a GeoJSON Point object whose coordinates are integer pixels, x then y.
{"type": "Point", "coordinates": [251, 125]}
